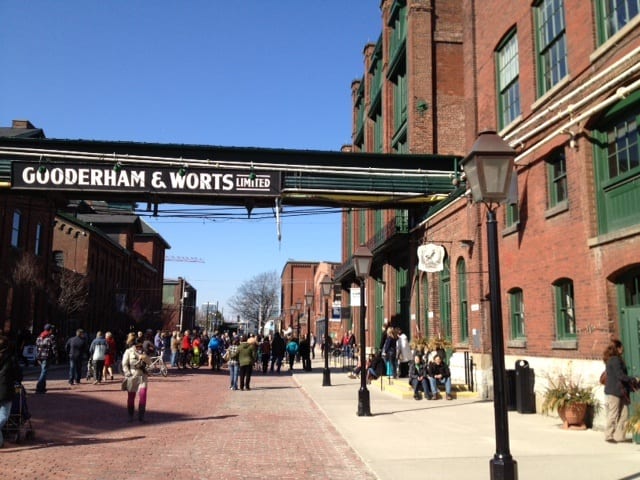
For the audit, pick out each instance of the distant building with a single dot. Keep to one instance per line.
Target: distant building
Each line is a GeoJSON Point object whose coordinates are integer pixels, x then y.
{"type": "Point", "coordinates": [178, 305]}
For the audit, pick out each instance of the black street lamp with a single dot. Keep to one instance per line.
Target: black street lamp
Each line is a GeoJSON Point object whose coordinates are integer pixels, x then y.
{"type": "Point", "coordinates": [489, 168]}
{"type": "Point", "coordinates": [298, 309]}
{"type": "Point", "coordinates": [326, 284]}
{"type": "Point", "coordinates": [308, 299]}
{"type": "Point", "coordinates": [362, 258]}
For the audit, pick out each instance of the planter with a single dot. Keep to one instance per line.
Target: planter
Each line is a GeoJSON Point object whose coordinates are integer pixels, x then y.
{"type": "Point", "coordinates": [573, 416]}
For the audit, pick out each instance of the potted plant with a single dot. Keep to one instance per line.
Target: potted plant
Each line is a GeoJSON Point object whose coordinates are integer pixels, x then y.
{"type": "Point", "coordinates": [419, 345]}
{"type": "Point", "coordinates": [570, 399]}
{"type": "Point", "coordinates": [633, 424]}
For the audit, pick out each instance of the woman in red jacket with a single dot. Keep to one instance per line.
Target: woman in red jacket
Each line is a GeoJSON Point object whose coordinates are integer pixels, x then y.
{"type": "Point", "coordinates": [110, 356]}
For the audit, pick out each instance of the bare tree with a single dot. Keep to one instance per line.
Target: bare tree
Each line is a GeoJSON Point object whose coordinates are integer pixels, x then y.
{"type": "Point", "coordinates": [73, 292]}
{"type": "Point", "coordinates": [257, 299]}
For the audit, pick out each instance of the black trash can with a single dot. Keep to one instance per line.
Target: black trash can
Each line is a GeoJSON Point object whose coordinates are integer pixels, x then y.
{"type": "Point", "coordinates": [511, 389]}
{"type": "Point", "coordinates": [525, 380]}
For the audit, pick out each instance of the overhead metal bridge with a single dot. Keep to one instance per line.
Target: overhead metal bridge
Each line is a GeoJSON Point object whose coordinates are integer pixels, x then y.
{"type": "Point", "coordinates": [207, 175]}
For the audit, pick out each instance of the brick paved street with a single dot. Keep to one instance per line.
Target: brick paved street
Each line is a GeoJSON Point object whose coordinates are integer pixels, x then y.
{"type": "Point", "coordinates": [197, 428]}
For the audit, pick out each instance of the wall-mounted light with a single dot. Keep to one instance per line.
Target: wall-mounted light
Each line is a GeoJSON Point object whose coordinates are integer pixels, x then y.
{"type": "Point", "coordinates": [422, 106]}
{"type": "Point", "coordinates": [117, 166]}
{"type": "Point", "coordinates": [252, 173]}
{"type": "Point", "coordinates": [182, 171]}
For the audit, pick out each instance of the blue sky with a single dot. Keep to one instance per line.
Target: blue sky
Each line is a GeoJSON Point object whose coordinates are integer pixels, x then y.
{"type": "Point", "coordinates": [255, 73]}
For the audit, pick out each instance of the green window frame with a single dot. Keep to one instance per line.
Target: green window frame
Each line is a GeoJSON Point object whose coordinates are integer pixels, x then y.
{"type": "Point", "coordinates": [399, 83]}
{"type": "Point", "coordinates": [445, 300]}
{"type": "Point", "coordinates": [378, 133]}
{"type": "Point", "coordinates": [508, 74]}
{"type": "Point", "coordinates": [613, 15]}
{"type": "Point", "coordinates": [617, 165]}
{"type": "Point", "coordinates": [565, 309]}
{"type": "Point", "coordinates": [425, 304]}
{"type": "Point", "coordinates": [551, 41]}
{"type": "Point", "coordinates": [15, 228]}
{"type": "Point", "coordinates": [516, 312]}
{"type": "Point", "coordinates": [362, 229]}
{"type": "Point", "coordinates": [463, 301]}
{"type": "Point", "coordinates": [511, 215]}
{"type": "Point", "coordinates": [557, 177]}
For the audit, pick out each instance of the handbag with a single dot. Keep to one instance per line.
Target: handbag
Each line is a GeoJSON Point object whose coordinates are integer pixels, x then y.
{"type": "Point", "coordinates": [603, 378]}
{"type": "Point", "coordinates": [226, 356]}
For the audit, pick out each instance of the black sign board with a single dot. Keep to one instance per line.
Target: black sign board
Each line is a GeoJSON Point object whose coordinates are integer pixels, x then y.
{"type": "Point", "coordinates": [132, 178]}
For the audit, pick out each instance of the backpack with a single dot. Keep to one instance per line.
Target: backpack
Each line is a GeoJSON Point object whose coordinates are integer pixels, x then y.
{"type": "Point", "coordinates": [214, 344]}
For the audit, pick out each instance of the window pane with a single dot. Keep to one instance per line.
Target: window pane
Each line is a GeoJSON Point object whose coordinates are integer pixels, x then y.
{"type": "Point", "coordinates": [552, 48]}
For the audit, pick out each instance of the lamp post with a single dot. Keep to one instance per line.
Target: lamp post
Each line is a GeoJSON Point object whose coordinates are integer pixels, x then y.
{"type": "Point", "coordinates": [326, 285]}
{"type": "Point", "coordinates": [298, 309]}
{"type": "Point", "coordinates": [362, 264]}
{"type": "Point", "coordinates": [308, 300]}
{"type": "Point", "coordinates": [488, 169]}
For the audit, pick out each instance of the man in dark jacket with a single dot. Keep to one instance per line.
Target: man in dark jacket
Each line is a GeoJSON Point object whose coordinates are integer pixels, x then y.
{"type": "Point", "coordinates": [10, 373]}
{"type": "Point", "coordinates": [305, 353]}
{"type": "Point", "coordinates": [77, 351]}
{"type": "Point", "coordinates": [418, 377]}
{"type": "Point", "coordinates": [439, 374]}
{"type": "Point", "coordinates": [277, 351]}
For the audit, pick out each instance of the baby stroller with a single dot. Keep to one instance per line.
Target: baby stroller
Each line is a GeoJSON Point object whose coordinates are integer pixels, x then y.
{"type": "Point", "coordinates": [91, 372]}
{"type": "Point", "coordinates": [19, 423]}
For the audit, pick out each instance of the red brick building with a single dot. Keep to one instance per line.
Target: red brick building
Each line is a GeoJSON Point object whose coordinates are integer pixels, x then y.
{"type": "Point", "coordinates": [25, 249]}
{"type": "Point", "coordinates": [122, 259]}
{"type": "Point", "coordinates": [560, 81]}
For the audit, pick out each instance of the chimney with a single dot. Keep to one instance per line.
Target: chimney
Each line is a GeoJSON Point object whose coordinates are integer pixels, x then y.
{"type": "Point", "coordinates": [26, 124]}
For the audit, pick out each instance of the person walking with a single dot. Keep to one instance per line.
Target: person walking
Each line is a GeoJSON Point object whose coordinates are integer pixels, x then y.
{"type": "Point", "coordinates": [265, 353]}
{"type": "Point", "coordinates": [246, 358]}
{"type": "Point", "coordinates": [277, 351]}
{"type": "Point", "coordinates": [292, 350]}
{"type": "Point", "coordinates": [617, 387]}
{"type": "Point", "coordinates": [10, 374]}
{"type": "Point", "coordinates": [233, 364]}
{"type": "Point", "coordinates": [312, 343]}
{"type": "Point", "coordinates": [110, 357]}
{"type": "Point", "coordinates": [134, 366]}
{"type": "Point", "coordinates": [305, 353]}
{"type": "Point", "coordinates": [76, 348]}
{"type": "Point", "coordinates": [47, 352]}
{"type": "Point", "coordinates": [175, 348]}
{"type": "Point", "coordinates": [97, 352]}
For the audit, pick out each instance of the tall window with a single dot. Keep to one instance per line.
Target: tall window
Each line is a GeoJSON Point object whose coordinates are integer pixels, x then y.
{"type": "Point", "coordinates": [516, 305]}
{"type": "Point", "coordinates": [613, 15]}
{"type": "Point", "coordinates": [508, 81]}
{"type": "Point", "coordinates": [15, 228]}
{"type": "Point", "coordinates": [617, 166]}
{"type": "Point", "coordinates": [445, 300]}
{"type": "Point", "coordinates": [551, 43]}
{"type": "Point", "coordinates": [512, 215]}
{"type": "Point", "coordinates": [463, 303]}
{"type": "Point", "coordinates": [565, 314]}
{"type": "Point", "coordinates": [425, 304]}
{"type": "Point", "coordinates": [557, 175]}
{"type": "Point", "coordinates": [38, 240]}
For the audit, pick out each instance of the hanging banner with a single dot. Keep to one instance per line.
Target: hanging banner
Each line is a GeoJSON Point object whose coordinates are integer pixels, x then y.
{"type": "Point", "coordinates": [431, 257]}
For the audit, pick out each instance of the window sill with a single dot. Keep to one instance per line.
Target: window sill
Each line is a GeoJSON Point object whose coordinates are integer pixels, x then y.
{"type": "Point", "coordinates": [517, 343]}
{"type": "Point", "coordinates": [552, 91]}
{"type": "Point", "coordinates": [557, 209]}
{"type": "Point", "coordinates": [564, 345]}
{"type": "Point", "coordinates": [510, 229]}
{"type": "Point", "coordinates": [615, 39]}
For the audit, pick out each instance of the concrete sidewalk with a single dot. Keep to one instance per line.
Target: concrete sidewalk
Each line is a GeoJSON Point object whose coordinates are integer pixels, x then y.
{"type": "Point", "coordinates": [441, 439]}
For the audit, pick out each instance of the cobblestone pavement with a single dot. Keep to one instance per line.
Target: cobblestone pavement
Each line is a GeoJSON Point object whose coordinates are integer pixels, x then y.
{"type": "Point", "coordinates": [197, 428]}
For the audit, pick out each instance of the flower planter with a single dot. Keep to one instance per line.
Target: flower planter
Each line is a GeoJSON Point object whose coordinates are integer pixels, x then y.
{"type": "Point", "coordinates": [573, 416]}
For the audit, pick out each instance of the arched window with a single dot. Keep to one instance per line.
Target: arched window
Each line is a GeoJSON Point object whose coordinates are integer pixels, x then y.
{"type": "Point", "coordinates": [516, 306]}
{"type": "Point", "coordinates": [564, 311]}
{"type": "Point", "coordinates": [463, 303]}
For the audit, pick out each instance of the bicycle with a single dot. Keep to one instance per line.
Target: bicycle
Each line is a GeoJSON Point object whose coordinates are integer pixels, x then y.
{"type": "Point", "coordinates": [157, 366]}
